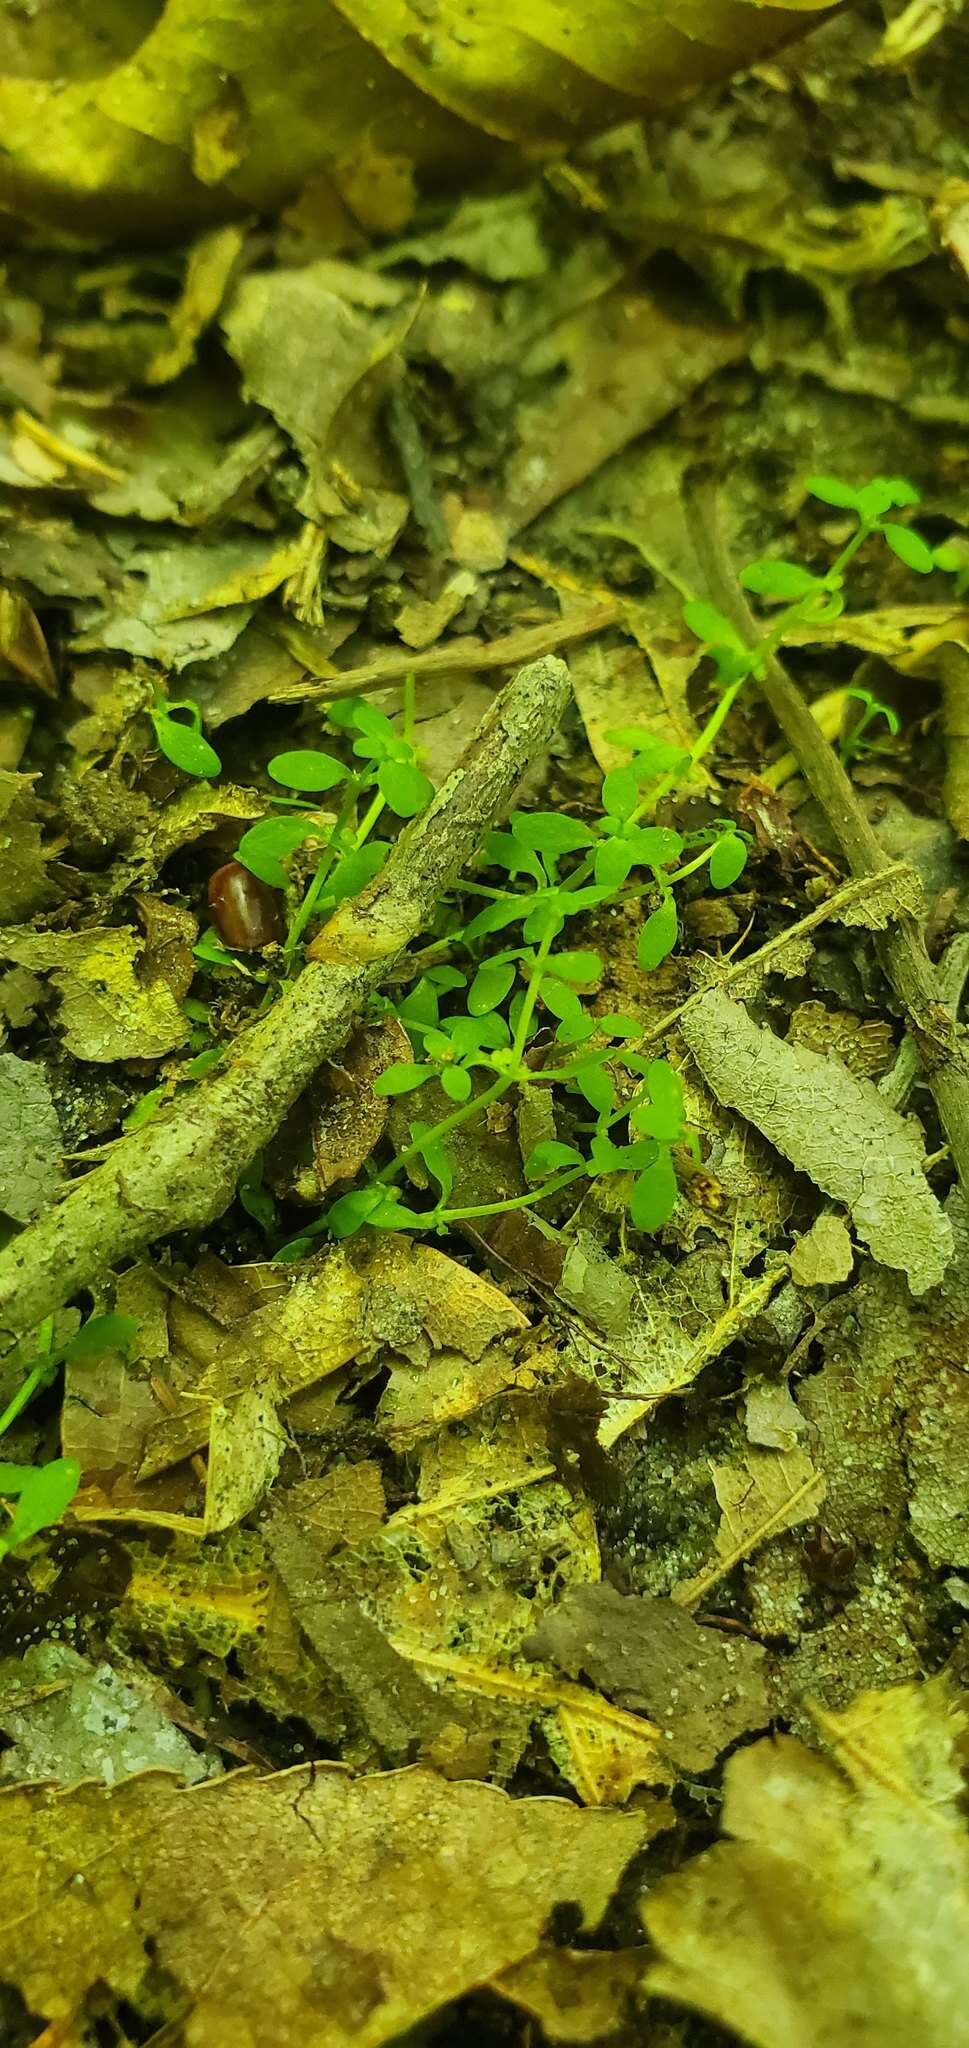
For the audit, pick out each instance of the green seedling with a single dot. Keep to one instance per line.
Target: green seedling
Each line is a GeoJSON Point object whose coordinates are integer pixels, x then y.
{"type": "Point", "coordinates": [182, 741]}
{"type": "Point", "coordinates": [388, 777]}
{"type": "Point", "coordinates": [856, 745]}
{"type": "Point", "coordinates": [554, 867]}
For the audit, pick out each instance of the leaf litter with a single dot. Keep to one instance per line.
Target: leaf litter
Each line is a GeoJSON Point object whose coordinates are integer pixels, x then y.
{"type": "Point", "coordinates": [457, 1512]}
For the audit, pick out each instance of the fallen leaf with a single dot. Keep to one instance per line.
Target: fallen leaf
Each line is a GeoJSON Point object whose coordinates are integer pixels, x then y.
{"type": "Point", "coordinates": [211, 261]}
{"type": "Point", "coordinates": [106, 1013]}
{"type": "Point", "coordinates": [24, 882]}
{"type": "Point", "coordinates": [68, 1719]}
{"type": "Point", "coordinates": [770, 1492]}
{"type": "Point", "coordinates": [823, 1257]}
{"type": "Point", "coordinates": [576, 1994]}
{"type": "Point", "coordinates": [702, 1689]}
{"type": "Point", "coordinates": [22, 645]}
{"type": "Point", "coordinates": [305, 351]}
{"type": "Point", "coordinates": [400, 1714]}
{"type": "Point", "coordinates": [114, 144]}
{"type": "Point", "coordinates": [604, 1752]}
{"type": "Point", "coordinates": [837, 1916]}
{"type": "Point", "coordinates": [937, 1460]}
{"type": "Point", "coordinates": [246, 1445]}
{"type": "Point", "coordinates": [30, 1139]}
{"type": "Point", "coordinates": [830, 1125]}
{"type": "Point", "coordinates": [352, 1302]}
{"type": "Point", "coordinates": [386, 1897]}
{"type": "Point", "coordinates": [349, 1118]}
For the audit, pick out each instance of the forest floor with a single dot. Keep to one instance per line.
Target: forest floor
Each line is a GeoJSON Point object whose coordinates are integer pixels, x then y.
{"type": "Point", "coordinates": [484, 754]}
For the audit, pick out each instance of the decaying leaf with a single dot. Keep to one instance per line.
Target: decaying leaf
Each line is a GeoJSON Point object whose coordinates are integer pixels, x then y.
{"type": "Point", "coordinates": [349, 1118]}
{"type": "Point", "coordinates": [838, 1913]}
{"type": "Point", "coordinates": [683, 1319]}
{"type": "Point", "coordinates": [23, 648]}
{"type": "Point", "coordinates": [823, 1256]}
{"type": "Point", "coordinates": [703, 1689]}
{"type": "Point", "coordinates": [937, 1458]}
{"type": "Point", "coordinates": [382, 1897]}
{"type": "Point", "coordinates": [68, 1720]}
{"type": "Point", "coordinates": [351, 1302]}
{"type": "Point", "coordinates": [106, 1013]}
{"type": "Point", "coordinates": [246, 1444]}
{"type": "Point", "coordinates": [24, 882]}
{"type": "Point", "coordinates": [400, 1713]}
{"type": "Point", "coordinates": [832, 1126]}
{"type": "Point", "coordinates": [30, 1139]}
{"type": "Point", "coordinates": [304, 349]}
{"type": "Point", "coordinates": [770, 1492]}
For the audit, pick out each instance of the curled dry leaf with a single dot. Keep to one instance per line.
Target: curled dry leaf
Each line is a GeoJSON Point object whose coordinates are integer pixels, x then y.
{"type": "Point", "coordinates": [350, 1119]}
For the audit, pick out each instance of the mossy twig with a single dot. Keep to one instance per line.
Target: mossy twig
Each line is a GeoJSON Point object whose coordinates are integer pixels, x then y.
{"type": "Point", "coordinates": [181, 1171]}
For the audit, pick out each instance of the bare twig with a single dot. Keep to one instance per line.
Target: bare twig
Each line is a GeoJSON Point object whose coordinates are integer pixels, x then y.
{"type": "Point", "coordinates": [181, 1171]}
{"type": "Point", "coordinates": [461, 655]}
{"type": "Point", "coordinates": [760, 962]}
{"type": "Point", "coordinates": [902, 948]}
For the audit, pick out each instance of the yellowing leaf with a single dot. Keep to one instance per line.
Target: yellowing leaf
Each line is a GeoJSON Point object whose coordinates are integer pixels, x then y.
{"type": "Point", "coordinates": [306, 1907]}
{"type": "Point", "coordinates": [105, 1012]}
{"type": "Point", "coordinates": [602, 1750]}
{"type": "Point", "coordinates": [236, 103]}
{"type": "Point", "coordinates": [837, 1916]}
{"type": "Point", "coordinates": [771, 1491]}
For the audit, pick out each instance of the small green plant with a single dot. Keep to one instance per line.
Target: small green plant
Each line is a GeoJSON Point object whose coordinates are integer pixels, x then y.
{"type": "Point", "coordinates": [388, 777]}
{"type": "Point", "coordinates": [857, 743]}
{"type": "Point", "coordinates": [42, 1492]}
{"type": "Point", "coordinates": [182, 741]}
{"type": "Point", "coordinates": [555, 867]}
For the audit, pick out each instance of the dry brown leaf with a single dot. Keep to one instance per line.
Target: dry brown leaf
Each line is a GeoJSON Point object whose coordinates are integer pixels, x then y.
{"type": "Point", "coordinates": [703, 1689]}
{"type": "Point", "coordinates": [303, 1908]}
{"type": "Point", "coordinates": [838, 1915]}
{"type": "Point", "coordinates": [350, 1118]}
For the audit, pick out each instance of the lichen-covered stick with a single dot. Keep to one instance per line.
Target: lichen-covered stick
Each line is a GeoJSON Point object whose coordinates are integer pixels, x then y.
{"type": "Point", "coordinates": [182, 1170]}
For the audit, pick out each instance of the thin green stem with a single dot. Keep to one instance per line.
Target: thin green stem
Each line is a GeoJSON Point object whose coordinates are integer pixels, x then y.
{"type": "Point", "coordinates": [473, 1107]}
{"type": "Point", "coordinates": [531, 995]}
{"type": "Point", "coordinates": [497, 1088]}
{"type": "Point", "coordinates": [328, 860]}
{"type": "Point", "coordinates": [368, 821]}
{"type": "Point", "coordinates": [35, 1378]}
{"type": "Point", "coordinates": [552, 1187]}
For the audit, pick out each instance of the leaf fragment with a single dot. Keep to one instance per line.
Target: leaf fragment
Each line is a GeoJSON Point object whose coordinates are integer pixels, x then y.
{"type": "Point", "coordinates": [831, 1125]}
